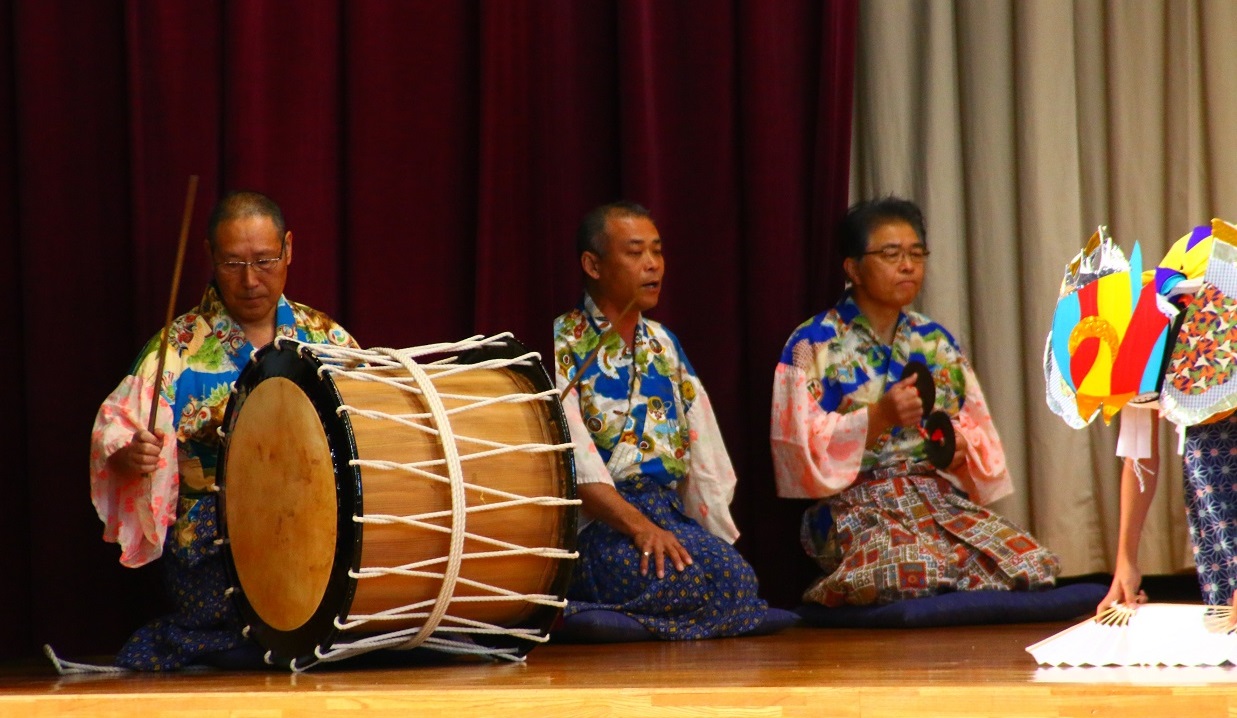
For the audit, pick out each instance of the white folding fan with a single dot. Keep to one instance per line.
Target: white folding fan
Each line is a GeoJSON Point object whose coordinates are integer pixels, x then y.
{"type": "Point", "coordinates": [1153, 634]}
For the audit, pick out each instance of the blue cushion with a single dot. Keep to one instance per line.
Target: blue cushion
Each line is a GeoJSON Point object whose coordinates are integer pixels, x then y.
{"type": "Point", "coordinates": [247, 656]}
{"type": "Point", "coordinates": [963, 608]}
{"type": "Point", "coordinates": [776, 619]}
{"type": "Point", "coordinates": [603, 626]}
{"type": "Point", "coordinates": [600, 626]}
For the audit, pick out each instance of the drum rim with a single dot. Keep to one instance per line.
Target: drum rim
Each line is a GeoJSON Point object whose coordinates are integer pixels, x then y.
{"type": "Point", "coordinates": [298, 364]}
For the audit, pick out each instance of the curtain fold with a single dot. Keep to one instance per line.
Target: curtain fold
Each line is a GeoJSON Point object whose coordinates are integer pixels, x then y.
{"type": "Point", "coordinates": [1021, 127]}
{"type": "Point", "coordinates": [15, 528]}
{"type": "Point", "coordinates": [433, 159]}
{"type": "Point", "coordinates": [73, 245]}
{"type": "Point", "coordinates": [410, 172]}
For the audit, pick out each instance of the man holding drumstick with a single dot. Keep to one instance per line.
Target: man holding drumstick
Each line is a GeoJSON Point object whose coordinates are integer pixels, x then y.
{"type": "Point", "coordinates": [153, 489]}
{"type": "Point", "coordinates": [652, 471]}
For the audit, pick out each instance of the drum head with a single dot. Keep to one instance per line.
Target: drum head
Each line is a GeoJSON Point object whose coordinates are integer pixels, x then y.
{"type": "Point", "coordinates": [287, 500]}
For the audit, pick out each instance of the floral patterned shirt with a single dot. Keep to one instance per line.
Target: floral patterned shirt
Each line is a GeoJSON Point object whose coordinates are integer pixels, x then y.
{"type": "Point", "coordinates": [209, 351]}
{"type": "Point", "coordinates": [834, 367]}
{"type": "Point", "coordinates": [642, 411]}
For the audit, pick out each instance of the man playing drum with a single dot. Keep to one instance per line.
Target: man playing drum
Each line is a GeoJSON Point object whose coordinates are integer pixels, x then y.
{"type": "Point", "coordinates": [653, 474]}
{"type": "Point", "coordinates": [153, 490]}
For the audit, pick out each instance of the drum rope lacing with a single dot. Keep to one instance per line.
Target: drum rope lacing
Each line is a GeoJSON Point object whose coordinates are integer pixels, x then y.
{"type": "Point", "coordinates": [345, 361]}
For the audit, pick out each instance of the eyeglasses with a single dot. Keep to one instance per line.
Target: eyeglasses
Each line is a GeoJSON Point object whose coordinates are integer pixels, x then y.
{"type": "Point", "coordinates": [917, 253]}
{"type": "Point", "coordinates": [261, 266]}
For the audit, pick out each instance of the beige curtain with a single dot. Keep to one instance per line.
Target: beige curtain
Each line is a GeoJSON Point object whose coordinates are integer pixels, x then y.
{"type": "Point", "coordinates": [1019, 126]}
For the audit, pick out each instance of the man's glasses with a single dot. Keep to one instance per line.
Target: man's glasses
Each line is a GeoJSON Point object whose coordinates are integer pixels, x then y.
{"type": "Point", "coordinates": [261, 266]}
{"type": "Point", "coordinates": [918, 254]}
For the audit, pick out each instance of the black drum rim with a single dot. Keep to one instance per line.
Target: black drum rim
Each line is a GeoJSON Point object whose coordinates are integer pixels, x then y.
{"type": "Point", "coordinates": [299, 647]}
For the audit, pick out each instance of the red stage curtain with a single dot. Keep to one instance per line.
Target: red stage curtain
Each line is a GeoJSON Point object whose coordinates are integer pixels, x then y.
{"type": "Point", "coordinates": [432, 158]}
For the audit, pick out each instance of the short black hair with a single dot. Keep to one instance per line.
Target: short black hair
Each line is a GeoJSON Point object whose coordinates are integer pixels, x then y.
{"type": "Point", "coordinates": [865, 216]}
{"type": "Point", "coordinates": [593, 226]}
{"type": "Point", "coordinates": [238, 204]}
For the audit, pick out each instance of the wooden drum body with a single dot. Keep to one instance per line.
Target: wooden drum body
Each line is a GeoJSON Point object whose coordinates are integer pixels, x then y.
{"type": "Point", "coordinates": [369, 500]}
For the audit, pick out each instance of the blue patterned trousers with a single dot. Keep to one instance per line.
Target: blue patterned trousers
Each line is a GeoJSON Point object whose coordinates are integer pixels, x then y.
{"type": "Point", "coordinates": [715, 596]}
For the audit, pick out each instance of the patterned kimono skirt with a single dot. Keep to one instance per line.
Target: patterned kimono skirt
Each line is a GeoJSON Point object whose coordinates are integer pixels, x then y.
{"type": "Point", "coordinates": [1211, 506]}
{"type": "Point", "coordinates": [714, 596]}
{"type": "Point", "coordinates": [204, 625]}
{"type": "Point", "coordinates": [911, 535]}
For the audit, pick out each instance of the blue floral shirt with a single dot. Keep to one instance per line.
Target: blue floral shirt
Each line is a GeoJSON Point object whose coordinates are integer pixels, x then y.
{"type": "Point", "coordinates": [642, 411]}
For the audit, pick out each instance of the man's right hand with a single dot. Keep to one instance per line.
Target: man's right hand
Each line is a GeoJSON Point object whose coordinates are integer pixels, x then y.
{"type": "Point", "coordinates": [140, 456]}
{"type": "Point", "coordinates": [900, 406]}
{"type": "Point", "coordinates": [660, 545]}
{"type": "Point", "coordinates": [604, 503]}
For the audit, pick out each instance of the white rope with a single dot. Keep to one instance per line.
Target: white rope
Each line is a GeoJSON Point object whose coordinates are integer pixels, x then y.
{"type": "Point", "coordinates": [409, 420]}
{"type": "Point", "coordinates": [413, 522]}
{"type": "Point", "coordinates": [505, 449]}
{"type": "Point", "coordinates": [487, 490]}
{"type": "Point", "coordinates": [407, 638]}
{"type": "Point", "coordinates": [70, 668]}
{"type": "Point", "coordinates": [395, 357]}
{"type": "Point", "coordinates": [369, 372]}
{"type": "Point", "coordinates": [401, 640]}
{"type": "Point", "coordinates": [450, 627]}
{"type": "Point", "coordinates": [415, 469]}
{"type": "Point", "coordinates": [441, 631]}
{"type": "Point", "coordinates": [375, 571]}
{"type": "Point", "coordinates": [474, 403]}
{"type": "Point", "coordinates": [523, 501]}
{"type": "Point", "coordinates": [458, 501]}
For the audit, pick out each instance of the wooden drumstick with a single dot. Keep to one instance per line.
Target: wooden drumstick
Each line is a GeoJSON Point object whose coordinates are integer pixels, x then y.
{"type": "Point", "coordinates": [588, 360]}
{"type": "Point", "coordinates": [167, 326]}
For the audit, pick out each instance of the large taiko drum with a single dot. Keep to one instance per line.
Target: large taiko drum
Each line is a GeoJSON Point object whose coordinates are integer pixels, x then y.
{"type": "Point", "coordinates": [397, 498]}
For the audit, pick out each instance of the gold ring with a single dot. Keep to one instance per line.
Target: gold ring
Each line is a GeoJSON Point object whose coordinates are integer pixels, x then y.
{"type": "Point", "coordinates": [648, 553]}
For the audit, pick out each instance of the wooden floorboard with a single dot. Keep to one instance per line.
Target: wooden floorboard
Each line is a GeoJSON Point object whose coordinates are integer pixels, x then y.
{"type": "Point", "coordinates": [976, 671]}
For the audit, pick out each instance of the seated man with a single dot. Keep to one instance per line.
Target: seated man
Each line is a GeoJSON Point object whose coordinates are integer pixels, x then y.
{"type": "Point", "coordinates": [654, 476]}
{"type": "Point", "coordinates": [845, 429]}
{"type": "Point", "coordinates": [143, 482]}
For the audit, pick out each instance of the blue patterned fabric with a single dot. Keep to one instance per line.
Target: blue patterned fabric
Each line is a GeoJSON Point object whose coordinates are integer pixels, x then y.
{"type": "Point", "coordinates": [602, 626]}
{"type": "Point", "coordinates": [714, 596]}
{"type": "Point", "coordinates": [203, 621]}
{"type": "Point", "coordinates": [1211, 505]}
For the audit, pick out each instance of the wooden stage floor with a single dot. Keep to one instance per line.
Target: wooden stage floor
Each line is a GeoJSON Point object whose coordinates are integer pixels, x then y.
{"type": "Point", "coordinates": [974, 671]}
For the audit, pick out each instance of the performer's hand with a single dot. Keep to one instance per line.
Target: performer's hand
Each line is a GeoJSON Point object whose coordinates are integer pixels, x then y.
{"type": "Point", "coordinates": [1124, 589]}
{"type": "Point", "coordinates": [604, 503]}
{"type": "Point", "coordinates": [901, 405]}
{"type": "Point", "coordinates": [960, 447]}
{"type": "Point", "coordinates": [661, 546]}
{"type": "Point", "coordinates": [139, 456]}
